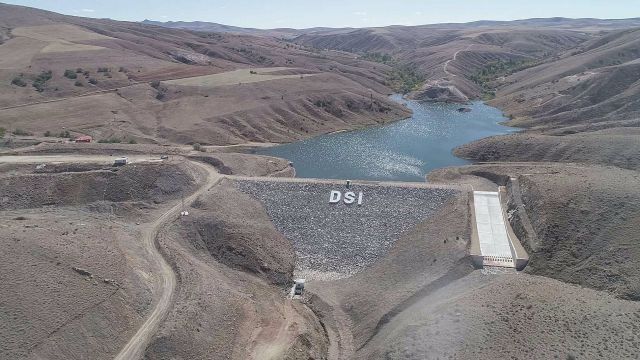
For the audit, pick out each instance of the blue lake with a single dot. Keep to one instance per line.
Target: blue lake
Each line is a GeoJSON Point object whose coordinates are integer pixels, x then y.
{"type": "Point", "coordinates": [405, 150]}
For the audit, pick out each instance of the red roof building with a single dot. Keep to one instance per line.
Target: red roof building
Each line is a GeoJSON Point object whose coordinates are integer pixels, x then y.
{"type": "Point", "coordinates": [84, 139]}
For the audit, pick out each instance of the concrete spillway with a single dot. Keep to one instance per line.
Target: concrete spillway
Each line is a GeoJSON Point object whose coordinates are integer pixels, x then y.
{"type": "Point", "coordinates": [495, 243]}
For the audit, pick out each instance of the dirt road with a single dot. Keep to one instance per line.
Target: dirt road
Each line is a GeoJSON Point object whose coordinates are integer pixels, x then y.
{"type": "Point", "coordinates": [66, 158]}
{"type": "Point", "coordinates": [455, 56]}
{"type": "Point", "coordinates": [137, 344]}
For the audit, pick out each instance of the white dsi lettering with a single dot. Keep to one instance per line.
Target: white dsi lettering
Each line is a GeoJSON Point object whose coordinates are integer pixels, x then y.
{"type": "Point", "coordinates": [349, 197]}
{"type": "Point", "coordinates": [360, 198]}
{"type": "Point", "coordinates": [334, 197]}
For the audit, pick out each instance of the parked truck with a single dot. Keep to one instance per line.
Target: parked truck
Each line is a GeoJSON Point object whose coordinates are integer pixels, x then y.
{"type": "Point", "coordinates": [121, 161]}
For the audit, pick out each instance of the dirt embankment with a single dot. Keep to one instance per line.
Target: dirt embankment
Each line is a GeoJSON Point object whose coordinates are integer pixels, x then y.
{"type": "Point", "coordinates": [228, 256]}
{"type": "Point", "coordinates": [65, 185]}
{"type": "Point", "coordinates": [247, 165]}
{"type": "Point", "coordinates": [357, 308]}
{"type": "Point", "coordinates": [236, 231]}
{"type": "Point", "coordinates": [618, 147]}
{"type": "Point", "coordinates": [493, 314]}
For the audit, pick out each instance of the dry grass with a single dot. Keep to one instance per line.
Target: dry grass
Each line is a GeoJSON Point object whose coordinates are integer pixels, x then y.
{"type": "Point", "coordinates": [57, 33]}
{"type": "Point", "coordinates": [17, 53]}
{"type": "Point", "coordinates": [235, 77]}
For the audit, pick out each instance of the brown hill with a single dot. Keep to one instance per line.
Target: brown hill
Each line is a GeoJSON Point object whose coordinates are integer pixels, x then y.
{"type": "Point", "coordinates": [104, 78]}
{"type": "Point", "coordinates": [597, 82]}
{"type": "Point", "coordinates": [449, 54]}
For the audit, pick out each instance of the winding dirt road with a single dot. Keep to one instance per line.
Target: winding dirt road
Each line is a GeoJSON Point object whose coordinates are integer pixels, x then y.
{"type": "Point", "coordinates": [134, 349]}
{"type": "Point", "coordinates": [455, 56]}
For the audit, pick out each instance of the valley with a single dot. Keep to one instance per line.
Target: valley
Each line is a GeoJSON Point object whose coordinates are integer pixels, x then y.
{"type": "Point", "coordinates": [232, 144]}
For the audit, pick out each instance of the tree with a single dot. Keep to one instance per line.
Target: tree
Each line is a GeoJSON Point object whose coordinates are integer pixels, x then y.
{"type": "Point", "coordinates": [197, 147]}
{"type": "Point", "coordinates": [47, 133]}
{"type": "Point", "coordinates": [40, 82]}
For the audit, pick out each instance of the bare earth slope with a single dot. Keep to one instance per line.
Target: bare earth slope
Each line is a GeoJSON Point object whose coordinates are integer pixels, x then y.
{"type": "Point", "coordinates": [105, 78]}
{"type": "Point", "coordinates": [577, 222]}
{"type": "Point", "coordinates": [616, 146]}
{"type": "Point", "coordinates": [448, 54]}
{"type": "Point", "coordinates": [597, 82]}
{"type": "Point", "coordinates": [78, 280]}
{"type": "Point", "coordinates": [227, 255]}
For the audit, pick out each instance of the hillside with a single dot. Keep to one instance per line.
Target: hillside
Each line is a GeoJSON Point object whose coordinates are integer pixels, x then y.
{"type": "Point", "coordinates": [105, 78]}
{"type": "Point", "coordinates": [597, 82]}
{"type": "Point", "coordinates": [187, 253]}
{"type": "Point", "coordinates": [450, 55]}
{"type": "Point", "coordinates": [203, 26]}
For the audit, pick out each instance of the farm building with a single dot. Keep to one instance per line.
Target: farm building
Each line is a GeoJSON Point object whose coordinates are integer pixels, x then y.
{"type": "Point", "coordinates": [84, 139]}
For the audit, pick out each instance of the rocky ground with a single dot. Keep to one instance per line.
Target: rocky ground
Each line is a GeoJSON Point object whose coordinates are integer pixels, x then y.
{"type": "Point", "coordinates": [334, 240]}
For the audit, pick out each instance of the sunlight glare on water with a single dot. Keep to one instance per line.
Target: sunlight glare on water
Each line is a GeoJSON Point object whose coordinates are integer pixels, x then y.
{"type": "Point", "coordinates": [405, 150]}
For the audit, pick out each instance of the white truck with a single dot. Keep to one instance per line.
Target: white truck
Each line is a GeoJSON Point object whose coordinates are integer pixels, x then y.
{"type": "Point", "coordinates": [121, 161]}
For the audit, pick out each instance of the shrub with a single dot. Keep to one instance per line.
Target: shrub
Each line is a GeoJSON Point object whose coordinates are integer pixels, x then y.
{"type": "Point", "coordinates": [64, 134]}
{"type": "Point", "coordinates": [104, 69]}
{"type": "Point", "coordinates": [155, 84]}
{"type": "Point", "coordinates": [40, 81]}
{"type": "Point", "coordinates": [70, 74]}
{"type": "Point", "coordinates": [110, 141]}
{"type": "Point", "coordinates": [47, 133]}
{"type": "Point", "coordinates": [2, 132]}
{"type": "Point", "coordinates": [133, 141]}
{"type": "Point", "coordinates": [253, 72]}
{"type": "Point", "coordinates": [93, 81]}
{"type": "Point", "coordinates": [122, 69]}
{"type": "Point", "coordinates": [86, 74]}
{"type": "Point", "coordinates": [197, 147]}
{"type": "Point", "coordinates": [21, 132]}
{"type": "Point", "coordinates": [18, 81]}
{"type": "Point", "coordinates": [79, 70]}
{"type": "Point", "coordinates": [78, 83]}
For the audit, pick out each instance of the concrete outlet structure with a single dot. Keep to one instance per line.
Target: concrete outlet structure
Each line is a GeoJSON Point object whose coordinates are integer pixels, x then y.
{"type": "Point", "coordinates": [493, 241]}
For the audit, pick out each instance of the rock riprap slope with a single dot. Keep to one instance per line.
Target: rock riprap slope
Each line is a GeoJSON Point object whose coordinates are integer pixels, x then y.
{"type": "Point", "coordinates": [336, 240]}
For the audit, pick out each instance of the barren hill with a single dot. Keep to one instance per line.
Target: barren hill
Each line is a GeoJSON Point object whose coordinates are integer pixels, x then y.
{"type": "Point", "coordinates": [450, 54]}
{"type": "Point", "coordinates": [596, 82]}
{"type": "Point", "coordinates": [105, 78]}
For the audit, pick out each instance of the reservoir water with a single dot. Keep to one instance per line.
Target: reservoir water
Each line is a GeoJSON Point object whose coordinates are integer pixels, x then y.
{"type": "Point", "coordinates": [405, 150]}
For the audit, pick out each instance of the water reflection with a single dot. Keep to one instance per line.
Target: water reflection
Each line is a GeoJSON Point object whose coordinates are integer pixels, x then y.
{"type": "Point", "coordinates": [401, 151]}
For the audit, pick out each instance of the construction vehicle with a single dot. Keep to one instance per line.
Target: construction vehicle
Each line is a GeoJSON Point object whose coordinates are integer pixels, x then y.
{"type": "Point", "coordinates": [298, 287]}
